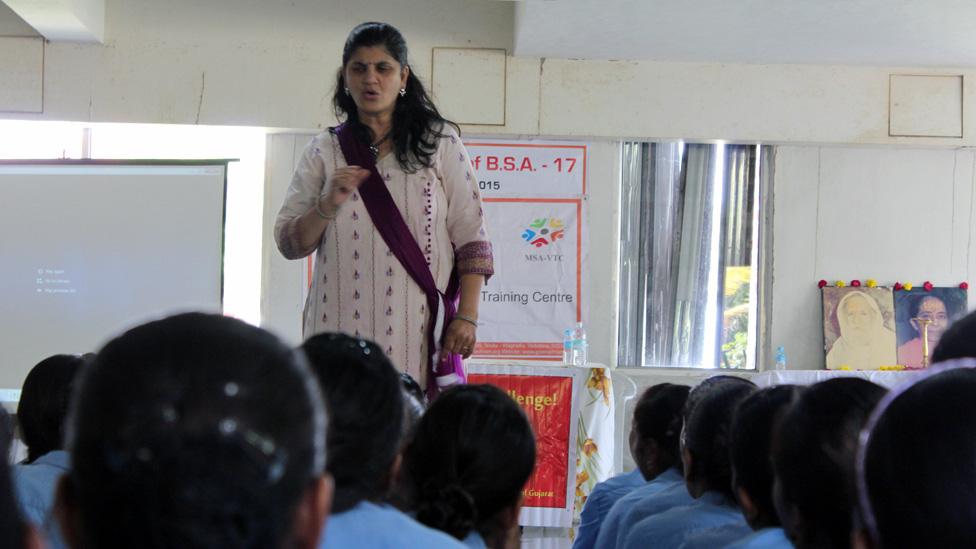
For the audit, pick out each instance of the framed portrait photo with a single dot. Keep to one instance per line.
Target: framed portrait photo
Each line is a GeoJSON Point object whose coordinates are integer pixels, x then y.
{"type": "Point", "coordinates": [921, 317]}
{"type": "Point", "coordinates": [859, 328]}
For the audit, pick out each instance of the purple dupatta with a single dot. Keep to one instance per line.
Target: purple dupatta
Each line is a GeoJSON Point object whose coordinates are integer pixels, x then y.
{"type": "Point", "coordinates": [443, 369]}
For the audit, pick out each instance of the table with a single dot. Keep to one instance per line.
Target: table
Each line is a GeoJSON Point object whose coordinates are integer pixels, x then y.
{"type": "Point", "coordinates": [885, 378]}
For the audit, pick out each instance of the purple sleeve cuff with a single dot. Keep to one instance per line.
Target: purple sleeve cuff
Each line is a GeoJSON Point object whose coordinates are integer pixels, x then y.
{"type": "Point", "coordinates": [475, 258]}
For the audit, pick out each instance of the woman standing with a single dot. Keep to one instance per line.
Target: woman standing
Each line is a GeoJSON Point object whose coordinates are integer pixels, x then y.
{"type": "Point", "coordinates": [390, 202]}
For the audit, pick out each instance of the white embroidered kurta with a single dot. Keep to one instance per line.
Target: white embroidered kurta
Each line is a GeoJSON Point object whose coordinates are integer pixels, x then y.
{"type": "Point", "coordinates": [359, 287]}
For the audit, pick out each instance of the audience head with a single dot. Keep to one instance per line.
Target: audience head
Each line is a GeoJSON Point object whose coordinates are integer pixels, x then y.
{"type": "Point", "coordinates": [364, 398]}
{"type": "Point", "coordinates": [414, 405]}
{"type": "Point", "coordinates": [917, 464]}
{"type": "Point", "coordinates": [698, 392]}
{"type": "Point", "coordinates": [656, 429]}
{"type": "Point", "coordinates": [813, 459]}
{"type": "Point", "coordinates": [705, 438]}
{"type": "Point", "coordinates": [751, 438]}
{"type": "Point", "coordinates": [14, 530]}
{"type": "Point", "coordinates": [43, 404]}
{"type": "Point", "coordinates": [471, 456]}
{"type": "Point", "coordinates": [195, 431]}
{"type": "Point", "coordinates": [959, 341]}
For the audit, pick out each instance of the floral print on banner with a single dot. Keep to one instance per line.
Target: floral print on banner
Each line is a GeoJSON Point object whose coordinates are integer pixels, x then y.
{"type": "Point", "coordinates": [599, 381]}
{"type": "Point", "coordinates": [594, 437]}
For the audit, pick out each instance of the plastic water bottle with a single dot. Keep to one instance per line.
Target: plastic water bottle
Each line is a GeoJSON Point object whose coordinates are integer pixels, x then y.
{"type": "Point", "coordinates": [579, 346]}
{"type": "Point", "coordinates": [567, 346]}
{"type": "Point", "coordinates": [780, 358]}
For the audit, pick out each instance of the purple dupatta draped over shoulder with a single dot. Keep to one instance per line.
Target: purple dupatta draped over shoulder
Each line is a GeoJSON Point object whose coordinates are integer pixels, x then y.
{"type": "Point", "coordinates": [443, 369]}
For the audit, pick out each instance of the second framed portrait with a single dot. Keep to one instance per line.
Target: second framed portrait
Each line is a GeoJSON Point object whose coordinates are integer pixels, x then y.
{"type": "Point", "coordinates": [921, 319]}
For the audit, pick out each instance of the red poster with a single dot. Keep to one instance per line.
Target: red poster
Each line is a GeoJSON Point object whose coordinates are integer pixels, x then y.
{"type": "Point", "coordinates": [547, 400]}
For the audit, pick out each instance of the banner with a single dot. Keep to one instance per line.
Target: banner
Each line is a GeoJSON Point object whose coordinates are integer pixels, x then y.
{"type": "Point", "coordinates": [533, 195]}
{"type": "Point", "coordinates": [548, 397]}
{"type": "Point", "coordinates": [537, 289]}
{"type": "Point", "coordinates": [526, 169]}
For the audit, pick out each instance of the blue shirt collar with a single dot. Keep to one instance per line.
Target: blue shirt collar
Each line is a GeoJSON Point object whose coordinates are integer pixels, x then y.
{"type": "Point", "coordinates": [56, 458]}
{"type": "Point", "coordinates": [716, 498]}
{"type": "Point", "coordinates": [670, 475]}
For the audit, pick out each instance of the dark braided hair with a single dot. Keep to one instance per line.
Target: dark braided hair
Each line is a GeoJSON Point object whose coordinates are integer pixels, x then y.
{"type": "Point", "coordinates": [417, 124]}
{"type": "Point", "coordinates": [657, 417]}
{"type": "Point", "coordinates": [470, 458]}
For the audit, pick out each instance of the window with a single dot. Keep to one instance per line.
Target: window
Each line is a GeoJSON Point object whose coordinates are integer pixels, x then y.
{"type": "Point", "coordinates": [691, 288]}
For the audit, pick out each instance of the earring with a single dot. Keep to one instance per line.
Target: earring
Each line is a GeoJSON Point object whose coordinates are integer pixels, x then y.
{"type": "Point", "coordinates": [403, 92]}
{"type": "Point", "coordinates": [347, 91]}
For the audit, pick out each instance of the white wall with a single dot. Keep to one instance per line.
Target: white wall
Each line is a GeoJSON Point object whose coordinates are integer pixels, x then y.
{"type": "Point", "coordinates": [281, 279]}
{"type": "Point", "coordinates": [844, 213]}
{"type": "Point", "coordinates": [241, 62]}
{"type": "Point", "coordinates": [271, 64]}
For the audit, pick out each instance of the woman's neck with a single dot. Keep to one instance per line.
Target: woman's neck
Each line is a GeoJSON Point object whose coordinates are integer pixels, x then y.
{"type": "Point", "coordinates": [379, 124]}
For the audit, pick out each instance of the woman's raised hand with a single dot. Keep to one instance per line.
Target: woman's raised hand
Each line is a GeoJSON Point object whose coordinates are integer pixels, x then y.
{"type": "Point", "coordinates": [344, 182]}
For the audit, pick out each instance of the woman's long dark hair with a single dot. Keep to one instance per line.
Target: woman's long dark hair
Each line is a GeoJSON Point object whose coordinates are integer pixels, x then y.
{"type": "Point", "coordinates": [416, 122]}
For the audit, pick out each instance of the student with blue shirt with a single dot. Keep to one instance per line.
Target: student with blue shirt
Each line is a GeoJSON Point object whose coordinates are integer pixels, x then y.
{"type": "Point", "coordinates": [195, 431]}
{"type": "Point", "coordinates": [41, 413]}
{"type": "Point", "coordinates": [469, 461]}
{"type": "Point", "coordinates": [707, 471]}
{"type": "Point", "coordinates": [653, 442]}
{"type": "Point", "coordinates": [365, 402]}
{"type": "Point", "coordinates": [917, 463]}
{"type": "Point", "coordinates": [668, 490]}
{"type": "Point", "coordinates": [14, 530]}
{"type": "Point", "coordinates": [813, 460]}
{"type": "Point", "coordinates": [752, 475]}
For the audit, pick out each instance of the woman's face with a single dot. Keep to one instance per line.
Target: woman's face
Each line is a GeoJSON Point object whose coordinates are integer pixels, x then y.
{"type": "Point", "coordinates": [933, 310]}
{"type": "Point", "coordinates": [374, 79]}
{"type": "Point", "coordinates": [860, 317]}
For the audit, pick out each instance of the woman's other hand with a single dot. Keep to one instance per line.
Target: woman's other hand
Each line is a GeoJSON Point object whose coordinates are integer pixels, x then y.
{"type": "Point", "coordinates": [460, 337]}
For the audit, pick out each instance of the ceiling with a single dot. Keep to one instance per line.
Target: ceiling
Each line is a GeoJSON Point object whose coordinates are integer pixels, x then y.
{"type": "Point", "coordinates": [908, 33]}
{"type": "Point", "coordinates": [904, 33]}
{"type": "Point", "coordinates": [12, 25]}
{"type": "Point", "coordinates": [56, 20]}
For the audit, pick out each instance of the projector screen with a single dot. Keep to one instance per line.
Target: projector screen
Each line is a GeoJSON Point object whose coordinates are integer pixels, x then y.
{"type": "Point", "coordinates": [91, 248]}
